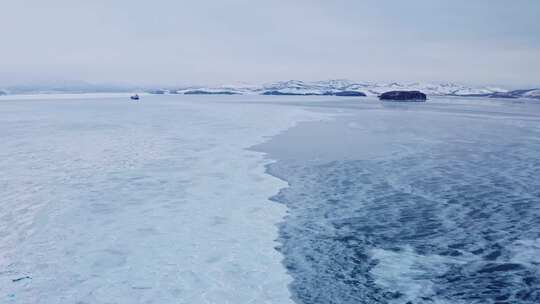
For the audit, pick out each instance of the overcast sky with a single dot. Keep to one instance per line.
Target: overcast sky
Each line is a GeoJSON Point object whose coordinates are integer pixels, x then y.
{"type": "Point", "coordinates": [228, 41]}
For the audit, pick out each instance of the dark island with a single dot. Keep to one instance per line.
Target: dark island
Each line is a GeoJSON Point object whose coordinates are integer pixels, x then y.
{"type": "Point", "coordinates": [403, 96]}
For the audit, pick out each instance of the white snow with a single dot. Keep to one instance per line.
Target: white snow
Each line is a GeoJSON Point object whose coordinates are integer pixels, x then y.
{"type": "Point", "coordinates": [105, 200]}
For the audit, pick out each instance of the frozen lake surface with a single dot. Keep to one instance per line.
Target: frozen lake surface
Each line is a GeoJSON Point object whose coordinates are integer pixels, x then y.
{"type": "Point", "coordinates": [104, 200]}
{"type": "Point", "coordinates": [413, 203]}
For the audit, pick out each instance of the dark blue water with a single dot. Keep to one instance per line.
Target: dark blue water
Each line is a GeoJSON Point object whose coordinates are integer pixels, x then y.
{"type": "Point", "coordinates": [455, 219]}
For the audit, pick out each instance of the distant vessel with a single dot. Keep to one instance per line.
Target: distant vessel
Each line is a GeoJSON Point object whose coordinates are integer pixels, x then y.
{"type": "Point", "coordinates": [134, 97]}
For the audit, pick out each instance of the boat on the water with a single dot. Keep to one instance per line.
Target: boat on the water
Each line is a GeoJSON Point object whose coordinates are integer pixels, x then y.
{"type": "Point", "coordinates": [135, 97]}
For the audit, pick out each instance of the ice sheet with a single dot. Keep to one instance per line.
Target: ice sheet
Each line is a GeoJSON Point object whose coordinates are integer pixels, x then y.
{"type": "Point", "coordinates": [104, 200]}
{"type": "Point", "coordinates": [413, 203]}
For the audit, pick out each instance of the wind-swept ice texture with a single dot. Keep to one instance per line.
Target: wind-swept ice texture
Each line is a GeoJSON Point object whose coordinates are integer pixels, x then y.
{"type": "Point", "coordinates": [110, 201]}
{"type": "Point", "coordinates": [435, 203]}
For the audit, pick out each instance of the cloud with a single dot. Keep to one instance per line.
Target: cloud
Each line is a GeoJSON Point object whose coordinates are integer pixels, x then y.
{"type": "Point", "coordinates": [181, 42]}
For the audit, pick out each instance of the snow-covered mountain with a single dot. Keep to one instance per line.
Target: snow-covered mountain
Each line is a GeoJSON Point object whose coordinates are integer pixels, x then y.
{"type": "Point", "coordinates": [533, 93]}
{"type": "Point", "coordinates": [342, 87]}
{"type": "Point", "coordinates": [371, 88]}
{"type": "Point", "coordinates": [328, 87]}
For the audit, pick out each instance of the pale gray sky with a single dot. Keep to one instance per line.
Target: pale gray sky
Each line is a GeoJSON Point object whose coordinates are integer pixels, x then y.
{"type": "Point", "coordinates": [224, 41]}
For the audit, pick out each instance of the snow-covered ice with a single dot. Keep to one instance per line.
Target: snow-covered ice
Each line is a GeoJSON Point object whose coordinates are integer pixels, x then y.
{"type": "Point", "coordinates": [104, 200]}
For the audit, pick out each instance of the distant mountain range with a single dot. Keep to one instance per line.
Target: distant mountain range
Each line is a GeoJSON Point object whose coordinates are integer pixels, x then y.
{"type": "Point", "coordinates": [341, 87]}
{"type": "Point", "coordinates": [68, 87]}
{"type": "Point", "coordinates": [533, 93]}
{"type": "Point", "coordinates": [336, 87]}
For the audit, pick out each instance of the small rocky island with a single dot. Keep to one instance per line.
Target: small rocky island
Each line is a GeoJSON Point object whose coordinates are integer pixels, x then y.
{"type": "Point", "coordinates": [403, 96]}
